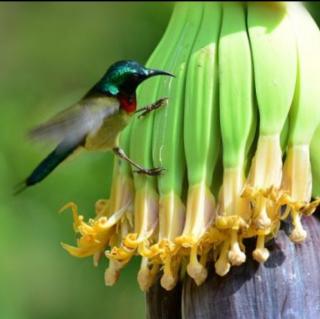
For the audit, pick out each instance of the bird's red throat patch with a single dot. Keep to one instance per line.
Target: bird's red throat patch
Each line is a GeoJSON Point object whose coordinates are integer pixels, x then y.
{"type": "Point", "coordinates": [129, 104]}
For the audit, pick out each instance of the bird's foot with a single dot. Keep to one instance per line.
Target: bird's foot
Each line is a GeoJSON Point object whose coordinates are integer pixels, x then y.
{"type": "Point", "coordinates": [150, 171]}
{"type": "Point", "coordinates": [139, 169]}
{"type": "Point", "coordinates": [149, 108]}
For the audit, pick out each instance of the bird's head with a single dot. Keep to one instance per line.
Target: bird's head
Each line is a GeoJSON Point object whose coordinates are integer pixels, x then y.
{"type": "Point", "coordinates": [125, 76]}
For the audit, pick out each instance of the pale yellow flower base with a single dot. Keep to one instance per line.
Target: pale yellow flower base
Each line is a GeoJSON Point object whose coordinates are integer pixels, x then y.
{"type": "Point", "coordinates": [199, 216]}
{"type": "Point", "coordinates": [297, 182]}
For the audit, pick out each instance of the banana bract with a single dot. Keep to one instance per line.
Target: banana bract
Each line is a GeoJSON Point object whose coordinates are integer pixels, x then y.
{"type": "Point", "coordinates": [238, 139]}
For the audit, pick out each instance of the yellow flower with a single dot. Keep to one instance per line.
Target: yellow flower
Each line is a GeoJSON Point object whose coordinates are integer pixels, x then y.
{"type": "Point", "coordinates": [96, 234]}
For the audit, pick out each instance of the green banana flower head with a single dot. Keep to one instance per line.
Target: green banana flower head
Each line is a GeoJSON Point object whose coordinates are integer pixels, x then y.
{"type": "Point", "coordinates": [239, 141]}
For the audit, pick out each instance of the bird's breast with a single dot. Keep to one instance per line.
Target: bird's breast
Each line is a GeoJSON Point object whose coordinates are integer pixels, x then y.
{"type": "Point", "coordinates": [106, 136]}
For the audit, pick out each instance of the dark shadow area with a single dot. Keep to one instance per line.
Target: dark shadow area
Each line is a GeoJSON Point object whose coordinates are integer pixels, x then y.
{"type": "Point", "coordinates": [162, 304]}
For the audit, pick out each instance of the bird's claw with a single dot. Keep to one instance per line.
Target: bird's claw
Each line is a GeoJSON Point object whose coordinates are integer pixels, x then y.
{"type": "Point", "coordinates": [161, 102]}
{"type": "Point", "coordinates": [145, 110]}
{"type": "Point", "coordinates": [150, 171]}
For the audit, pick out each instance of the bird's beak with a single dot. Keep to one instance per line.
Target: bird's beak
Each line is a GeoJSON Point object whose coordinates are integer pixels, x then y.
{"type": "Point", "coordinates": [154, 72]}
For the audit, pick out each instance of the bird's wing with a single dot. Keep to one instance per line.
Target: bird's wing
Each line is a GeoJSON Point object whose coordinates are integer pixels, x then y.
{"type": "Point", "coordinates": [76, 122]}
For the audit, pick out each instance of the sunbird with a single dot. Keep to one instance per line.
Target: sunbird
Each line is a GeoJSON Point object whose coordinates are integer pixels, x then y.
{"type": "Point", "coordinates": [95, 122]}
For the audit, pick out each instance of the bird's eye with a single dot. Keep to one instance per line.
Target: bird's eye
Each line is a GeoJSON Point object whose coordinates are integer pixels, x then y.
{"type": "Point", "coordinates": [135, 76]}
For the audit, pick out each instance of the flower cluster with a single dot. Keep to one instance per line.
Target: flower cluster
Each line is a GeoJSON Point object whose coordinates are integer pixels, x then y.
{"type": "Point", "coordinates": [238, 141]}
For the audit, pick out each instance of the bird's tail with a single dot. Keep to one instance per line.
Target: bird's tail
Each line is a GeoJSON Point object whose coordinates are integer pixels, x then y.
{"type": "Point", "coordinates": [57, 156]}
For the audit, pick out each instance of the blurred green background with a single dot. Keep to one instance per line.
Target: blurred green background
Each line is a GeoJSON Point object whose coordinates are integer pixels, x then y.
{"type": "Point", "coordinates": [50, 54]}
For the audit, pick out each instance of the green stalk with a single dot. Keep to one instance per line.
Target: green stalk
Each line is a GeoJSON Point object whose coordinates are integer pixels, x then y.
{"type": "Point", "coordinates": [168, 150]}
{"type": "Point", "coordinates": [237, 121]}
{"type": "Point", "coordinates": [275, 64]}
{"type": "Point", "coordinates": [201, 136]}
{"type": "Point", "coordinates": [304, 118]}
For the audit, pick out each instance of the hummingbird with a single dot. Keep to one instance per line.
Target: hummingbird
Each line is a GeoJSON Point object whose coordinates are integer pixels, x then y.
{"type": "Point", "coordinates": [95, 122]}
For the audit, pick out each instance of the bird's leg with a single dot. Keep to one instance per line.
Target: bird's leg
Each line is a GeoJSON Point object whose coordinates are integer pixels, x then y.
{"type": "Point", "coordinates": [149, 108]}
{"type": "Point", "coordinates": [140, 170]}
